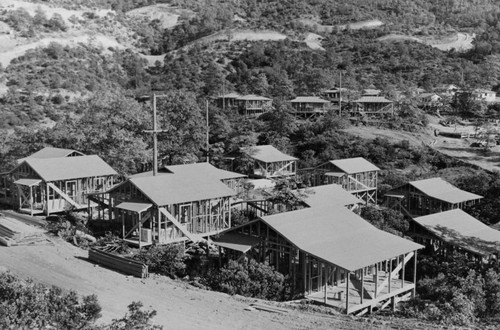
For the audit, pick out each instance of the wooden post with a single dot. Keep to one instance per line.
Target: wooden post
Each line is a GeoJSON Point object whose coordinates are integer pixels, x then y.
{"type": "Point", "coordinates": [326, 284]}
{"type": "Point", "coordinates": [362, 285]}
{"type": "Point", "coordinates": [304, 271]}
{"type": "Point", "coordinates": [139, 230]}
{"type": "Point", "coordinates": [389, 276]}
{"type": "Point", "coordinates": [347, 293]}
{"type": "Point", "coordinates": [123, 224]}
{"type": "Point", "coordinates": [376, 280]}
{"type": "Point", "coordinates": [31, 200]}
{"type": "Point", "coordinates": [403, 271]}
{"type": "Point", "coordinates": [413, 293]}
{"type": "Point", "coordinates": [47, 208]}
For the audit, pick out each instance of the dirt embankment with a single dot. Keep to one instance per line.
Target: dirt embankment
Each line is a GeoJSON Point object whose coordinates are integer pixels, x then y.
{"type": "Point", "coordinates": [178, 305]}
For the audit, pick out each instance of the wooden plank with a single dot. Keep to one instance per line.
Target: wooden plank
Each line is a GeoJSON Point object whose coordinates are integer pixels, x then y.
{"type": "Point", "coordinates": [115, 262]}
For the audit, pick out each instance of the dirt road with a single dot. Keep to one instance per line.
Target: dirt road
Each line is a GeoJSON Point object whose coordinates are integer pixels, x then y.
{"type": "Point", "coordinates": [179, 306]}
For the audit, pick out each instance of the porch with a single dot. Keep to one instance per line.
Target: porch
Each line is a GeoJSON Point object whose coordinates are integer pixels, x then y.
{"type": "Point", "coordinates": [353, 298]}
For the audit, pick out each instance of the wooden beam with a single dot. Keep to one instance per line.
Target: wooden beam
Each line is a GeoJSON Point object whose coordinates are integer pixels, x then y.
{"type": "Point", "coordinates": [347, 293]}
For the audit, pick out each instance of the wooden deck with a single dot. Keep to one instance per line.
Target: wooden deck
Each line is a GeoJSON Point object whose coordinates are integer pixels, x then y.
{"type": "Point", "coordinates": [399, 291]}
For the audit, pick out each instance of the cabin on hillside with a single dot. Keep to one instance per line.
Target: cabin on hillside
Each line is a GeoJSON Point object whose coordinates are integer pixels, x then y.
{"type": "Point", "coordinates": [330, 194]}
{"type": "Point", "coordinates": [309, 106]}
{"type": "Point", "coordinates": [429, 101]}
{"type": "Point", "coordinates": [249, 105]}
{"type": "Point", "coordinates": [181, 203]}
{"type": "Point", "coordinates": [268, 162]}
{"type": "Point", "coordinates": [253, 105]}
{"type": "Point", "coordinates": [355, 175]}
{"type": "Point", "coordinates": [227, 100]}
{"type": "Point", "coordinates": [336, 95]}
{"type": "Point", "coordinates": [331, 256]}
{"type": "Point", "coordinates": [51, 185]}
{"type": "Point", "coordinates": [455, 230]}
{"type": "Point", "coordinates": [447, 90]}
{"type": "Point", "coordinates": [51, 152]}
{"type": "Point", "coordinates": [429, 196]}
{"type": "Point", "coordinates": [372, 107]}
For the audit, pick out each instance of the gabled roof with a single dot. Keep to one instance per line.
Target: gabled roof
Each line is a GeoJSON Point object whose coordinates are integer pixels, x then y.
{"type": "Point", "coordinates": [187, 183]}
{"type": "Point", "coordinates": [266, 154]}
{"type": "Point", "coordinates": [309, 99]}
{"type": "Point", "coordinates": [206, 169]}
{"type": "Point", "coordinates": [330, 194]}
{"type": "Point", "coordinates": [459, 228]}
{"type": "Point", "coordinates": [372, 99]}
{"type": "Point", "coordinates": [371, 92]}
{"type": "Point", "coordinates": [232, 95]}
{"type": "Point", "coordinates": [444, 191]}
{"type": "Point", "coordinates": [54, 169]}
{"type": "Point", "coordinates": [51, 152]}
{"type": "Point", "coordinates": [338, 236]}
{"type": "Point", "coordinates": [354, 165]}
{"type": "Point", "coordinates": [252, 97]}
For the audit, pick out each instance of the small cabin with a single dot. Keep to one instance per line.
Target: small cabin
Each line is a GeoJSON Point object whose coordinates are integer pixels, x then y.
{"type": "Point", "coordinates": [331, 256]}
{"type": "Point", "coordinates": [356, 175]}
{"type": "Point", "coordinates": [372, 107]}
{"type": "Point", "coordinates": [455, 230]}
{"type": "Point", "coordinates": [253, 105]}
{"type": "Point", "coordinates": [51, 152]}
{"type": "Point", "coordinates": [429, 101]}
{"type": "Point", "coordinates": [268, 162]}
{"type": "Point", "coordinates": [423, 197]}
{"type": "Point", "coordinates": [249, 105]}
{"type": "Point", "coordinates": [227, 100]}
{"type": "Point", "coordinates": [51, 185]}
{"type": "Point", "coordinates": [309, 106]}
{"type": "Point", "coordinates": [181, 203]}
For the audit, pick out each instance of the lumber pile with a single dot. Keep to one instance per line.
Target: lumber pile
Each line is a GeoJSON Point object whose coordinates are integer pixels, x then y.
{"type": "Point", "coordinates": [270, 309]}
{"type": "Point", "coordinates": [116, 262]}
{"type": "Point", "coordinates": [14, 232]}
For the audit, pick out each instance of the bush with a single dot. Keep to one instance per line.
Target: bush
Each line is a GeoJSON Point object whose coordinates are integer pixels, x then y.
{"type": "Point", "coordinates": [249, 279]}
{"type": "Point", "coordinates": [165, 260]}
{"type": "Point", "coordinates": [25, 304]}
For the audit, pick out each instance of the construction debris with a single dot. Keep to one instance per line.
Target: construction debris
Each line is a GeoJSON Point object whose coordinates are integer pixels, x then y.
{"type": "Point", "coordinates": [14, 232]}
{"type": "Point", "coordinates": [121, 264]}
{"type": "Point", "coordinates": [267, 308]}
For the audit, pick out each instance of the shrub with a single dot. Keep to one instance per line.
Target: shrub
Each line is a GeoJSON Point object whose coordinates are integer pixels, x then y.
{"type": "Point", "coordinates": [250, 279]}
{"type": "Point", "coordinates": [25, 304]}
{"type": "Point", "coordinates": [165, 260]}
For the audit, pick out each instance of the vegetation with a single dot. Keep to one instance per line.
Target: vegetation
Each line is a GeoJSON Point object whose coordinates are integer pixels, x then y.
{"type": "Point", "coordinates": [27, 305]}
{"type": "Point", "coordinates": [248, 278]}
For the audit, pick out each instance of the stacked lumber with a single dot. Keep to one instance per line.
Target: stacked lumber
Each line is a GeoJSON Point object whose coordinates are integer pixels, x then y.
{"type": "Point", "coordinates": [116, 262]}
{"type": "Point", "coordinates": [14, 232]}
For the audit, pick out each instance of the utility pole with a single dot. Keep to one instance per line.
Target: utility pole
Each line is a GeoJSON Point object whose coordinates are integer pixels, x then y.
{"type": "Point", "coordinates": [155, 132]}
{"type": "Point", "coordinates": [340, 95]}
{"type": "Point", "coordinates": [208, 128]}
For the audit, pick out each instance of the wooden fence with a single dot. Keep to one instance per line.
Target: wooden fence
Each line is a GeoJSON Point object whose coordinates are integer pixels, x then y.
{"type": "Point", "coordinates": [121, 264]}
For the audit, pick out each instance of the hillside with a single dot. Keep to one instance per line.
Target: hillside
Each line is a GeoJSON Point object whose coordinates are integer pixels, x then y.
{"type": "Point", "coordinates": [78, 74]}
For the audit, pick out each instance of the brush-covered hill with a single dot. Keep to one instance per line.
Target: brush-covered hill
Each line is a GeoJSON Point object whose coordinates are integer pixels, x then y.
{"type": "Point", "coordinates": [55, 52]}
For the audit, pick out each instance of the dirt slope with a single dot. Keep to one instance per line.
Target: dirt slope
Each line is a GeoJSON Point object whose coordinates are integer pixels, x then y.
{"type": "Point", "coordinates": [179, 305]}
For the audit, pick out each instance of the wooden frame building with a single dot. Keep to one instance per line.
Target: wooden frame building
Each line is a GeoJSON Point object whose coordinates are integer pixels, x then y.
{"type": "Point", "coordinates": [268, 162]}
{"type": "Point", "coordinates": [181, 203]}
{"type": "Point", "coordinates": [51, 185]}
{"type": "Point", "coordinates": [428, 196]}
{"type": "Point", "coordinates": [309, 106]}
{"type": "Point", "coordinates": [356, 175]}
{"type": "Point", "coordinates": [249, 105]}
{"type": "Point", "coordinates": [332, 256]}
{"type": "Point", "coordinates": [372, 107]}
{"type": "Point", "coordinates": [451, 230]}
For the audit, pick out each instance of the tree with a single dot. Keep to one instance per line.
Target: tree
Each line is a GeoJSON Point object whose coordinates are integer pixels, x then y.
{"type": "Point", "coordinates": [182, 118]}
